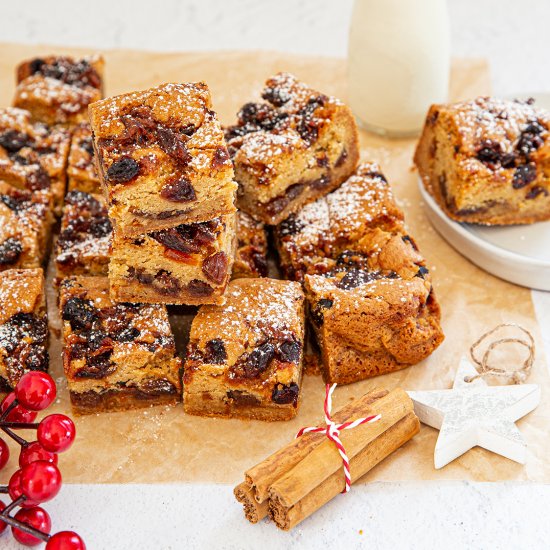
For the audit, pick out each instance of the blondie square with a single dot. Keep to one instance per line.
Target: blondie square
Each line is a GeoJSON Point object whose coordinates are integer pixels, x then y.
{"type": "Point", "coordinates": [251, 254]}
{"type": "Point", "coordinates": [487, 161]}
{"type": "Point", "coordinates": [33, 156]}
{"type": "Point", "coordinates": [187, 264]}
{"type": "Point", "coordinates": [58, 90]}
{"type": "Point", "coordinates": [162, 159]}
{"type": "Point", "coordinates": [290, 149]}
{"type": "Point", "coordinates": [244, 359]}
{"type": "Point", "coordinates": [25, 224]}
{"type": "Point", "coordinates": [370, 296]}
{"type": "Point", "coordinates": [81, 171]}
{"type": "Point", "coordinates": [116, 356]}
{"type": "Point", "coordinates": [318, 236]}
{"type": "Point", "coordinates": [23, 325]}
{"type": "Point", "coordinates": [84, 241]}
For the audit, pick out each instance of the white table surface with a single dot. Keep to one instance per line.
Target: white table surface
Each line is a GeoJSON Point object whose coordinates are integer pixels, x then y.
{"type": "Point", "coordinates": [514, 36]}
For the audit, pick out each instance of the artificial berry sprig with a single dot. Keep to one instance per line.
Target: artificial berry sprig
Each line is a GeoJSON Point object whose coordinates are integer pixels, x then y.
{"type": "Point", "coordinates": [38, 478]}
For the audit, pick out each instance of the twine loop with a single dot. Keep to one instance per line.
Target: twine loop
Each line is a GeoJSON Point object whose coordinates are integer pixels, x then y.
{"type": "Point", "coordinates": [517, 376]}
{"type": "Point", "coordinates": [332, 431]}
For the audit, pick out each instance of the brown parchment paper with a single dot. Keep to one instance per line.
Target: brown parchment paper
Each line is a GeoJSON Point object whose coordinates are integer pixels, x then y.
{"type": "Point", "coordinates": [165, 445]}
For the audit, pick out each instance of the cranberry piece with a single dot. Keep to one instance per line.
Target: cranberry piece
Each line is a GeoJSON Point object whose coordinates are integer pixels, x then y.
{"type": "Point", "coordinates": [530, 139]}
{"type": "Point", "coordinates": [10, 251]}
{"type": "Point", "coordinates": [123, 170]}
{"type": "Point", "coordinates": [489, 152]}
{"type": "Point", "coordinates": [87, 145]}
{"type": "Point", "coordinates": [215, 267]}
{"type": "Point", "coordinates": [180, 190]}
{"type": "Point", "coordinates": [524, 175]}
{"type": "Point", "coordinates": [308, 127]}
{"type": "Point", "coordinates": [257, 361]}
{"type": "Point", "coordinates": [289, 350]}
{"type": "Point", "coordinates": [276, 96]}
{"type": "Point", "coordinates": [342, 158]}
{"type": "Point", "coordinates": [172, 145]}
{"type": "Point", "coordinates": [80, 313]}
{"type": "Point", "coordinates": [177, 238]}
{"type": "Point", "coordinates": [39, 179]}
{"type": "Point", "coordinates": [285, 395]}
{"type": "Point", "coordinates": [354, 278]}
{"type": "Point", "coordinates": [214, 352]}
{"type": "Point", "coordinates": [35, 65]}
{"type": "Point", "coordinates": [17, 203]}
{"type": "Point", "coordinates": [127, 335]}
{"type": "Point", "coordinates": [13, 141]}
{"type": "Point", "coordinates": [199, 288]}
{"type": "Point", "coordinates": [220, 158]}
{"type": "Point", "coordinates": [165, 283]}
{"type": "Point", "coordinates": [317, 313]}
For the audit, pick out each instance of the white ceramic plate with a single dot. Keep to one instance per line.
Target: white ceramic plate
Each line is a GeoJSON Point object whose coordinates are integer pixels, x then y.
{"type": "Point", "coordinates": [519, 254]}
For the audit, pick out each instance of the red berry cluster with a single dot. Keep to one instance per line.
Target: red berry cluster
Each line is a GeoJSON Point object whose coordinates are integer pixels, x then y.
{"type": "Point", "coordinates": [38, 478]}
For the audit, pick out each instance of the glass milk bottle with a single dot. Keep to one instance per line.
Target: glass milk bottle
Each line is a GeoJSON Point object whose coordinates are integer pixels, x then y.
{"type": "Point", "coordinates": [398, 63]}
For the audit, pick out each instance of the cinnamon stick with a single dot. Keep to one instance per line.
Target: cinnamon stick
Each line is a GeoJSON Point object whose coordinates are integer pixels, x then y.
{"type": "Point", "coordinates": [305, 474]}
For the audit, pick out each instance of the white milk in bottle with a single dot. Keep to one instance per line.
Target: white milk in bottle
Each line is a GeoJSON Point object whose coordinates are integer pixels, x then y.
{"type": "Point", "coordinates": [398, 63]}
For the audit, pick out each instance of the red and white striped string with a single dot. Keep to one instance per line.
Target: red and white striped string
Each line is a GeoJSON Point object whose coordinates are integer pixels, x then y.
{"type": "Point", "coordinates": [332, 431]}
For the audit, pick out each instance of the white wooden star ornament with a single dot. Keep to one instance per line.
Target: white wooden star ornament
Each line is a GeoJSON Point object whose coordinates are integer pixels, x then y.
{"type": "Point", "coordinates": [473, 413]}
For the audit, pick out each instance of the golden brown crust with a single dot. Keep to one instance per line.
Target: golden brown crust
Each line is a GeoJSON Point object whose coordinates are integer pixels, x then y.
{"type": "Point", "coordinates": [25, 224]}
{"type": "Point", "coordinates": [162, 159]}
{"type": "Point", "coordinates": [291, 149]}
{"type": "Point", "coordinates": [115, 347]}
{"type": "Point", "coordinates": [83, 244]}
{"type": "Point", "coordinates": [58, 90]}
{"type": "Point", "coordinates": [251, 254]}
{"type": "Point", "coordinates": [188, 264]}
{"type": "Point", "coordinates": [81, 171]}
{"type": "Point", "coordinates": [244, 359]}
{"type": "Point", "coordinates": [23, 324]}
{"type": "Point", "coordinates": [33, 156]}
{"type": "Point", "coordinates": [486, 161]}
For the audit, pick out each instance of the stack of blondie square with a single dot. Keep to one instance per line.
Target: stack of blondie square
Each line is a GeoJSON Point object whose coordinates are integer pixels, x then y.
{"type": "Point", "coordinates": [166, 208]}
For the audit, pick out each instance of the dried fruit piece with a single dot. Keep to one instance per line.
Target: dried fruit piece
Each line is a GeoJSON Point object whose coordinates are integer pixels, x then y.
{"type": "Point", "coordinates": [215, 267]}
{"type": "Point", "coordinates": [215, 352]}
{"type": "Point", "coordinates": [10, 251]}
{"type": "Point", "coordinates": [123, 170]}
{"type": "Point", "coordinates": [285, 395]}
{"type": "Point", "coordinates": [179, 190]}
{"type": "Point", "coordinates": [524, 175]}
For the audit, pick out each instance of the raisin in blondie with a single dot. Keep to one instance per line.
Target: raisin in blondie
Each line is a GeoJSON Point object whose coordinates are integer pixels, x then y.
{"type": "Point", "coordinates": [33, 156]}
{"type": "Point", "coordinates": [487, 161]}
{"type": "Point", "coordinates": [244, 359]}
{"type": "Point", "coordinates": [116, 356]}
{"type": "Point", "coordinates": [370, 294]}
{"type": "Point", "coordinates": [23, 325]}
{"type": "Point", "coordinates": [187, 264]}
{"type": "Point", "coordinates": [290, 149]}
{"type": "Point", "coordinates": [58, 90]}
{"type": "Point", "coordinates": [251, 254]}
{"type": "Point", "coordinates": [162, 158]}
{"type": "Point", "coordinates": [25, 224]}
{"type": "Point", "coordinates": [81, 170]}
{"type": "Point", "coordinates": [83, 244]}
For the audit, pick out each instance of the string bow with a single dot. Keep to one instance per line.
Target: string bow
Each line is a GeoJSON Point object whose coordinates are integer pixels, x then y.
{"type": "Point", "coordinates": [332, 431]}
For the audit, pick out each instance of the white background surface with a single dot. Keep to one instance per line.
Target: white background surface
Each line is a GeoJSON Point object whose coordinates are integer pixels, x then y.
{"type": "Point", "coordinates": [514, 36]}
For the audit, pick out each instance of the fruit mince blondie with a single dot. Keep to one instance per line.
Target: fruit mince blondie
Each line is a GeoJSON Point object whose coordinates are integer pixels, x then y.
{"type": "Point", "coordinates": [187, 264]}
{"type": "Point", "coordinates": [25, 224]}
{"type": "Point", "coordinates": [161, 158]}
{"type": "Point", "coordinates": [244, 359]}
{"type": "Point", "coordinates": [33, 156]}
{"type": "Point", "coordinates": [251, 253]}
{"type": "Point", "coordinates": [81, 172]}
{"type": "Point", "coordinates": [371, 300]}
{"type": "Point", "coordinates": [83, 244]}
{"type": "Point", "coordinates": [316, 238]}
{"type": "Point", "coordinates": [23, 325]}
{"type": "Point", "coordinates": [116, 356]}
{"type": "Point", "coordinates": [290, 149]}
{"type": "Point", "coordinates": [58, 90]}
{"type": "Point", "coordinates": [487, 161]}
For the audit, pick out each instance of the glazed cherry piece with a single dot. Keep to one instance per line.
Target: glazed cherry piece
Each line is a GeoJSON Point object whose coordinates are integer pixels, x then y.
{"type": "Point", "coordinates": [34, 452]}
{"type": "Point", "coordinates": [56, 433]}
{"type": "Point", "coordinates": [35, 390]}
{"type": "Point", "coordinates": [35, 517]}
{"type": "Point", "coordinates": [65, 540]}
{"type": "Point", "coordinates": [40, 481]}
{"type": "Point", "coordinates": [18, 413]}
{"type": "Point", "coordinates": [2, 524]}
{"type": "Point", "coordinates": [4, 453]}
{"type": "Point", "coordinates": [14, 490]}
